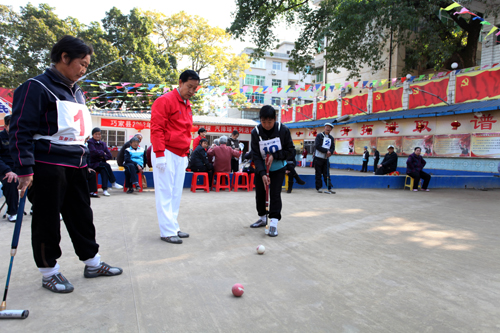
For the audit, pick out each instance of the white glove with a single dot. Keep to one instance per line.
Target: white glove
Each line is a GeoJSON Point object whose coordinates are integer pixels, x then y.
{"type": "Point", "coordinates": [161, 163]}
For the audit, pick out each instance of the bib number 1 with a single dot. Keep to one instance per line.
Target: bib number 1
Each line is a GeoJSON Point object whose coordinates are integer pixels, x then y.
{"type": "Point", "coordinates": [79, 117]}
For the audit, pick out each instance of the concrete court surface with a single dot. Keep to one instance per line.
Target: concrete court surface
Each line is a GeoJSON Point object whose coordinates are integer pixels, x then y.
{"type": "Point", "coordinates": [356, 261]}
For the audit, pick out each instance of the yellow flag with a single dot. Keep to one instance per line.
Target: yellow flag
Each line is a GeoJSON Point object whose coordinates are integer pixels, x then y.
{"type": "Point", "coordinates": [383, 82]}
{"type": "Point", "coordinates": [491, 31]}
{"type": "Point", "coordinates": [430, 76]}
{"type": "Point", "coordinates": [450, 7]}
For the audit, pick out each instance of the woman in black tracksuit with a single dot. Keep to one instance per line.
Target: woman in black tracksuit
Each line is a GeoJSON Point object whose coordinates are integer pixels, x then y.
{"type": "Point", "coordinates": [49, 125]}
{"type": "Point", "coordinates": [273, 138]}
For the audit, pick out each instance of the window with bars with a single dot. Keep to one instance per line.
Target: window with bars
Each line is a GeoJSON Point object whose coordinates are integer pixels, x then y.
{"type": "Point", "coordinates": [276, 83]}
{"type": "Point", "coordinates": [113, 138]}
{"type": "Point", "coordinates": [255, 80]}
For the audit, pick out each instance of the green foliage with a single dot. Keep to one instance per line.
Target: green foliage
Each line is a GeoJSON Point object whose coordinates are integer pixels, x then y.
{"type": "Point", "coordinates": [358, 32]}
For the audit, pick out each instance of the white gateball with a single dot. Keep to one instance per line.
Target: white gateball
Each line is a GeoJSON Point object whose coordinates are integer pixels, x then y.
{"type": "Point", "coordinates": [261, 249]}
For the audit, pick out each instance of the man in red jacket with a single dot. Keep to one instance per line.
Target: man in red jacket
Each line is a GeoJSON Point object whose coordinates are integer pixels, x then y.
{"type": "Point", "coordinates": [171, 122]}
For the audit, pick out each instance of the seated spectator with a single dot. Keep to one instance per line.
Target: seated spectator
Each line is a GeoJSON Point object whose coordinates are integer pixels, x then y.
{"type": "Point", "coordinates": [121, 153]}
{"type": "Point", "coordinates": [91, 176]}
{"type": "Point", "coordinates": [223, 155]}
{"type": "Point", "coordinates": [9, 177]}
{"type": "Point", "coordinates": [414, 166]}
{"type": "Point", "coordinates": [248, 165]}
{"type": "Point", "coordinates": [291, 173]}
{"type": "Point", "coordinates": [133, 162]}
{"type": "Point", "coordinates": [99, 154]}
{"type": "Point", "coordinates": [202, 134]}
{"type": "Point", "coordinates": [234, 143]}
{"type": "Point", "coordinates": [199, 160]}
{"type": "Point", "coordinates": [390, 162]}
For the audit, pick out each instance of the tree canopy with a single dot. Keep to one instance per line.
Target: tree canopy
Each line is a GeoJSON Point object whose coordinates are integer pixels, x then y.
{"type": "Point", "coordinates": [358, 31]}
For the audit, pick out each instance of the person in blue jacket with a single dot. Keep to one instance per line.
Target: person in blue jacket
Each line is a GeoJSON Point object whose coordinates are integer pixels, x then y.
{"type": "Point", "coordinates": [133, 162]}
{"type": "Point", "coordinates": [49, 124]}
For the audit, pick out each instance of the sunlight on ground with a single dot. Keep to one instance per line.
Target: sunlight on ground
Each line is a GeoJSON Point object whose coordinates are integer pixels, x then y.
{"type": "Point", "coordinates": [315, 213]}
{"type": "Point", "coordinates": [427, 234]}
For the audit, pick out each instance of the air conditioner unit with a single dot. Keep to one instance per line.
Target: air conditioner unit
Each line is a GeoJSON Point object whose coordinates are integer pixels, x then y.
{"type": "Point", "coordinates": [274, 72]}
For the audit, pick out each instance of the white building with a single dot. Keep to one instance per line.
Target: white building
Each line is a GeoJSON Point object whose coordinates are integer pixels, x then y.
{"type": "Point", "coordinates": [272, 72]}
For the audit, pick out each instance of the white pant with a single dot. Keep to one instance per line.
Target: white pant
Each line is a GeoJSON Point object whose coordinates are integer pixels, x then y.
{"type": "Point", "coordinates": [168, 191]}
{"type": "Point", "coordinates": [304, 161]}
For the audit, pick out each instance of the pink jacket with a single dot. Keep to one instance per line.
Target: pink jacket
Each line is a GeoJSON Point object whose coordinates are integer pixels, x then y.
{"type": "Point", "coordinates": [223, 156]}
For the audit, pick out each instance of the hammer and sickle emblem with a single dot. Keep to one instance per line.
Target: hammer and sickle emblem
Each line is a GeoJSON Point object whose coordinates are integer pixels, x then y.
{"type": "Point", "coordinates": [465, 82]}
{"type": "Point", "coordinates": [416, 91]}
{"type": "Point", "coordinates": [346, 103]}
{"type": "Point", "coordinates": [321, 106]}
{"type": "Point", "coordinates": [378, 97]}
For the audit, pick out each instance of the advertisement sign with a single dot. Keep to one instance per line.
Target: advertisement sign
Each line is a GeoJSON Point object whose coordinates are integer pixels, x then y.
{"type": "Point", "coordinates": [452, 145]}
{"type": "Point", "coordinates": [360, 143]}
{"type": "Point", "coordinates": [425, 142]}
{"type": "Point", "coordinates": [384, 142]}
{"type": "Point", "coordinates": [299, 145]}
{"type": "Point", "coordinates": [485, 145]}
{"type": "Point", "coordinates": [344, 146]}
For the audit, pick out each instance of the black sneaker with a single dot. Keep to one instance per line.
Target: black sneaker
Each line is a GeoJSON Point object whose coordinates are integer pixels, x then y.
{"type": "Point", "coordinates": [172, 239]}
{"type": "Point", "coordinates": [273, 232]}
{"type": "Point", "coordinates": [57, 283]}
{"type": "Point", "coordinates": [130, 190]}
{"type": "Point", "coordinates": [102, 270]}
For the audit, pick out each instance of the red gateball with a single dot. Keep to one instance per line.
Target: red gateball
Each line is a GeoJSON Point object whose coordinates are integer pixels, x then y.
{"type": "Point", "coordinates": [238, 290]}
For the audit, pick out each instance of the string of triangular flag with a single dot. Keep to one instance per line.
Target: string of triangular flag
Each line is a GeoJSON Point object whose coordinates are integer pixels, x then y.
{"type": "Point", "coordinates": [476, 17]}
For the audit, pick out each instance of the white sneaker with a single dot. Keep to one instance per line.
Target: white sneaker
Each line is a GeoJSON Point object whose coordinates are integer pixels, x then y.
{"type": "Point", "coordinates": [106, 193]}
{"type": "Point", "coordinates": [60, 217]}
{"type": "Point", "coordinates": [12, 218]}
{"type": "Point", "coordinates": [116, 185]}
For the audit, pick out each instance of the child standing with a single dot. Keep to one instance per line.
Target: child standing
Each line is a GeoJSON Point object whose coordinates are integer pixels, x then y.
{"type": "Point", "coordinates": [273, 138]}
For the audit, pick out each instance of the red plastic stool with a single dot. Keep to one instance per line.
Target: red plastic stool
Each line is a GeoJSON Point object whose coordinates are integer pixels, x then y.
{"type": "Point", "coordinates": [251, 184]}
{"type": "Point", "coordinates": [125, 187]}
{"type": "Point", "coordinates": [222, 176]}
{"type": "Point", "coordinates": [236, 177]}
{"type": "Point", "coordinates": [194, 182]}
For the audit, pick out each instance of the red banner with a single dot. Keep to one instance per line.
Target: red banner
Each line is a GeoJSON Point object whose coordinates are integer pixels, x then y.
{"type": "Point", "coordinates": [351, 105]}
{"type": "Point", "coordinates": [286, 115]}
{"type": "Point", "coordinates": [424, 98]}
{"type": "Point", "coordinates": [389, 100]}
{"type": "Point", "coordinates": [303, 112]}
{"type": "Point", "coordinates": [124, 123]}
{"type": "Point", "coordinates": [477, 86]}
{"type": "Point", "coordinates": [327, 109]}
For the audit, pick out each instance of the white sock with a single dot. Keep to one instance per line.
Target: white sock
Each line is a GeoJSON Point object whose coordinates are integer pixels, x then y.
{"type": "Point", "coordinates": [263, 218]}
{"type": "Point", "coordinates": [49, 271]}
{"type": "Point", "coordinates": [93, 262]}
{"type": "Point", "coordinates": [274, 223]}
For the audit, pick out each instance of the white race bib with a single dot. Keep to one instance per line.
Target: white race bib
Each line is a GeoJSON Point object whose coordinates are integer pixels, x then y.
{"type": "Point", "coordinates": [269, 146]}
{"type": "Point", "coordinates": [327, 142]}
{"type": "Point", "coordinates": [73, 123]}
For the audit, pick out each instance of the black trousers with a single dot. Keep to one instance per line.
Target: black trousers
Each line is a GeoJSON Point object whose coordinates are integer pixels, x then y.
{"type": "Point", "coordinates": [321, 170]}
{"type": "Point", "coordinates": [416, 176]}
{"type": "Point", "coordinates": [375, 163]}
{"type": "Point", "coordinates": [131, 174]}
{"type": "Point", "coordinates": [11, 196]}
{"type": "Point", "coordinates": [210, 174]}
{"type": "Point", "coordinates": [275, 205]}
{"type": "Point", "coordinates": [92, 181]}
{"type": "Point", "coordinates": [235, 165]}
{"type": "Point", "coordinates": [364, 168]}
{"type": "Point", "coordinates": [104, 169]}
{"type": "Point", "coordinates": [62, 190]}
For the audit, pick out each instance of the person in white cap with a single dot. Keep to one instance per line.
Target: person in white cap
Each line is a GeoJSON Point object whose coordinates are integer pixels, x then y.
{"type": "Point", "coordinates": [325, 146]}
{"type": "Point", "coordinates": [390, 162]}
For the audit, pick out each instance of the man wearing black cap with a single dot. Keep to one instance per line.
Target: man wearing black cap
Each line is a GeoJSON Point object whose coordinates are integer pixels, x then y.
{"type": "Point", "coordinates": [325, 147]}
{"type": "Point", "coordinates": [9, 178]}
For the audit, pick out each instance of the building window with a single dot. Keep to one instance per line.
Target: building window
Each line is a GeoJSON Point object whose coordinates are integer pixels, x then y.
{"type": "Point", "coordinates": [255, 98]}
{"type": "Point", "coordinates": [276, 83]}
{"type": "Point", "coordinates": [255, 80]}
{"type": "Point", "coordinates": [319, 75]}
{"type": "Point", "coordinates": [259, 63]}
{"type": "Point", "coordinates": [250, 114]}
{"type": "Point", "coordinates": [277, 65]}
{"type": "Point", "coordinates": [275, 101]}
{"type": "Point", "coordinates": [113, 138]}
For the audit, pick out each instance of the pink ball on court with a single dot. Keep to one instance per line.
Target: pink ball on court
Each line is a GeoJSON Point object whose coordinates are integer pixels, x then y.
{"type": "Point", "coordinates": [238, 290]}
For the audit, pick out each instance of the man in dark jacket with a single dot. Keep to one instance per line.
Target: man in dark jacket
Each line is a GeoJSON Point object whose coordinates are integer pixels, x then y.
{"type": "Point", "coordinates": [414, 166]}
{"type": "Point", "coordinates": [199, 160]}
{"type": "Point", "coordinates": [272, 139]}
{"type": "Point", "coordinates": [366, 156]}
{"type": "Point", "coordinates": [234, 143]}
{"type": "Point", "coordinates": [121, 154]}
{"type": "Point", "coordinates": [376, 158]}
{"type": "Point", "coordinates": [325, 146]}
{"type": "Point", "coordinates": [9, 178]}
{"type": "Point", "coordinates": [390, 162]}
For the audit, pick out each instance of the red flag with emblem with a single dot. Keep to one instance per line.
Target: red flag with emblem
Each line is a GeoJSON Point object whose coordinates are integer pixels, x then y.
{"type": "Point", "coordinates": [422, 99]}
{"type": "Point", "coordinates": [351, 105]}
{"type": "Point", "coordinates": [389, 100]}
{"type": "Point", "coordinates": [327, 109]}
{"type": "Point", "coordinates": [478, 86]}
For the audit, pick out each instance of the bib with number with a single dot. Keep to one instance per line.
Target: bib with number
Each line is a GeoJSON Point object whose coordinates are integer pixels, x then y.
{"type": "Point", "coordinates": [269, 146]}
{"type": "Point", "coordinates": [73, 122]}
{"type": "Point", "coordinates": [327, 143]}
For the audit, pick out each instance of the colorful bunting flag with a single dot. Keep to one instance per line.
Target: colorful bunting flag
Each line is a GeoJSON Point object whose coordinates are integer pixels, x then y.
{"type": "Point", "coordinates": [453, 5]}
